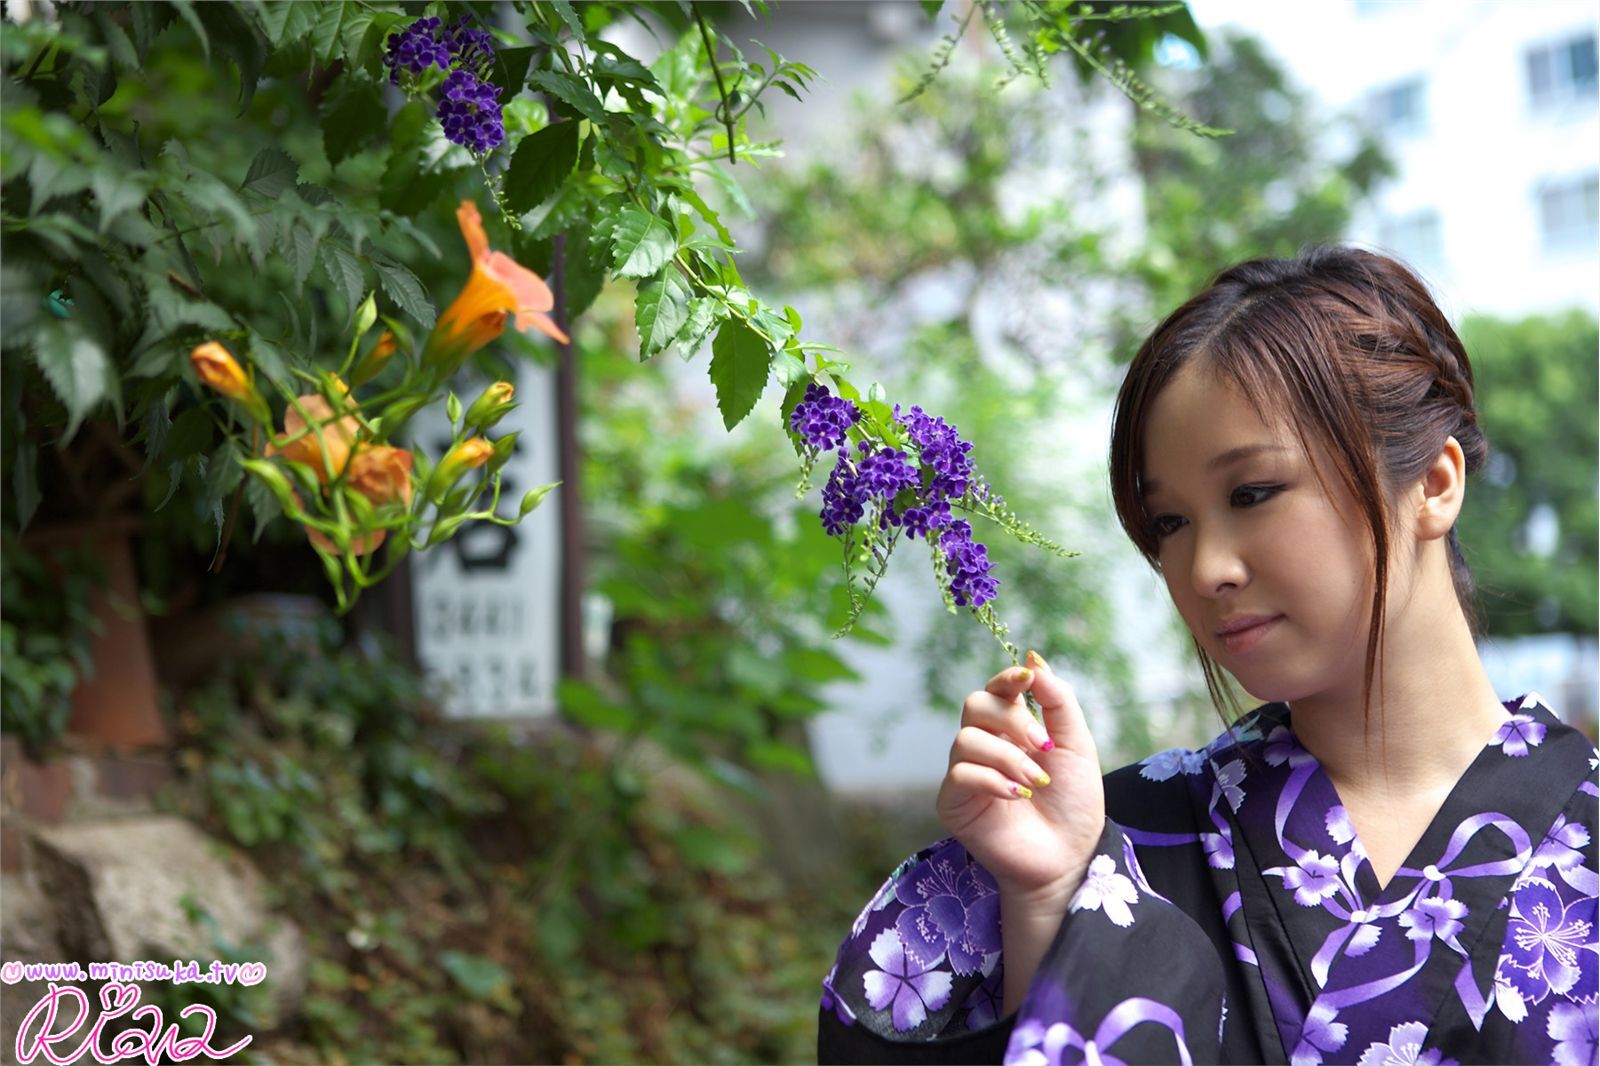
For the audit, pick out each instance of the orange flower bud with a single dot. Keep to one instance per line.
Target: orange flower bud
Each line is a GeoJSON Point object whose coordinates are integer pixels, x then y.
{"type": "Point", "coordinates": [373, 362]}
{"type": "Point", "coordinates": [221, 371]}
{"type": "Point", "coordinates": [468, 455]}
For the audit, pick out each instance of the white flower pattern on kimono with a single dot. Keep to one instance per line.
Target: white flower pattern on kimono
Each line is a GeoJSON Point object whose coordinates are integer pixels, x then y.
{"type": "Point", "coordinates": [904, 985]}
{"type": "Point", "coordinates": [1104, 889]}
{"type": "Point", "coordinates": [1229, 779]}
{"type": "Point", "coordinates": [1166, 764]}
{"type": "Point", "coordinates": [1320, 1034]}
{"type": "Point", "coordinates": [1519, 733]}
{"type": "Point", "coordinates": [1435, 918]}
{"type": "Point", "coordinates": [1404, 1048]}
{"type": "Point", "coordinates": [1314, 878]}
{"type": "Point", "coordinates": [1549, 943]}
{"type": "Point", "coordinates": [1573, 1030]}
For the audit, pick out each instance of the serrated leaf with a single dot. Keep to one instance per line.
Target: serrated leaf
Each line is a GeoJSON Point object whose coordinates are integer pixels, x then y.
{"type": "Point", "coordinates": [406, 291]}
{"type": "Point", "coordinates": [660, 310]}
{"type": "Point", "coordinates": [572, 91]}
{"type": "Point", "coordinates": [789, 369]}
{"type": "Point", "coordinates": [272, 173]}
{"type": "Point", "coordinates": [266, 358]}
{"type": "Point", "coordinates": [325, 34]}
{"type": "Point", "coordinates": [344, 270]}
{"type": "Point", "coordinates": [185, 10]}
{"type": "Point", "coordinates": [739, 369]}
{"type": "Point", "coordinates": [641, 244]}
{"type": "Point", "coordinates": [222, 473]}
{"type": "Point", "coordinates": [76, 368]}
{"type": "Point", "coordinates": [352, 31]}
{"type": "Point", "coordinates": [704, 314]}
{"type": "Point", "coordinates": [157, 424]}
{"type": "Point", "coordinates": [116, 191]}
{"type": "Point", "coordinates": [570, 17]}
{"type": "Point", "coordinates": [541, 163]}
{"type": "Point", "coordinates": [263, 505]}
{"type": "Point", "coordinates": [302, 253]}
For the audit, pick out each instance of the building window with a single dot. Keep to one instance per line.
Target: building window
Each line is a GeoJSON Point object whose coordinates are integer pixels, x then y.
{"type": "Point", "coordinates": [1417, 238]}
{"type": "Point", "coordinates": [1399, 109]}
{"type": "Point", "coordinates": [1568, 215]}
{"type": "Point", "coordinates": [1563, 71]}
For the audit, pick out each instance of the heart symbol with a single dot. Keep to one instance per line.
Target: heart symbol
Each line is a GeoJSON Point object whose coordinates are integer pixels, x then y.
{"type": "Point", "coordinates": [116, 997]}
{"type": "Point", "coordinates": [252, 973]}
{"type": "Point", "coordinates": [11, 972]}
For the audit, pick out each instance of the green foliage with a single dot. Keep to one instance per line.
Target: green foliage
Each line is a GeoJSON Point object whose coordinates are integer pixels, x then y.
{"type": "Point", "coordinates": [1264, 191]}
{"type": "Point", "coordinates": [469, 897]}
{"type": "Point", "coordinates": [46, 638]}
{"type": "Point", "coordinates": [1537, 385]}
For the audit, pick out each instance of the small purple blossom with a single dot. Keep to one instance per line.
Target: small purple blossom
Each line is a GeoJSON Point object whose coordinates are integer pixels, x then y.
{"type": "Point", "coordinates": [471, 48]}
{"type": "Point", "coordinates": [415, 49]}
{"type": "Point", "coordinates": [884, 471]}
{"type": "Point", "coordinates": [822, 419]}
{"type": "Point", "coordinates": [942, 451]}
{"type": "Point", "coordinates": [967, 563]}
{"type": "Point", "coordinates": [1519, 733]}
{"type": "Point", "coordinates": [470, 113]}
{"type": "Point", "coordinates": [842, 506]}
{"type": "Point", "coordinates": [926, 518]}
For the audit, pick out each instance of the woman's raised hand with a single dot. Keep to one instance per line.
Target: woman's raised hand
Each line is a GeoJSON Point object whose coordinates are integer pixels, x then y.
{"type": "Point", "coordinates": [1027, 804]}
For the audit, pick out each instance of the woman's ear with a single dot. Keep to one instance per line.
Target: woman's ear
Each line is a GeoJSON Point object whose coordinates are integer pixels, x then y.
{"type": "Point", "coordinates": [1442, 492]}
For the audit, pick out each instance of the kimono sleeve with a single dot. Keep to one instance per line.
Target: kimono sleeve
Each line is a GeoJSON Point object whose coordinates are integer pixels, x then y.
{"type": "Point", "coordinates": [920, 979]}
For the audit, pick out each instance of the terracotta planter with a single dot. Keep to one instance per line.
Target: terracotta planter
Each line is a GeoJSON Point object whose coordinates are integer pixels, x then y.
{"type": "Point", "coordinates": [119, 705]}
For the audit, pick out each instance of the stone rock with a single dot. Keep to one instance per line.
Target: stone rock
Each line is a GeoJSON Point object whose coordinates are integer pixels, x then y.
{"type": "Point", "coordinates": [116, 890]}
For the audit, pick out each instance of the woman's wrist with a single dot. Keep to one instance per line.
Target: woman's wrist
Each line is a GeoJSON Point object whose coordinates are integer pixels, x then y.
{"type": "Point", "coordinates": [1029, 921]}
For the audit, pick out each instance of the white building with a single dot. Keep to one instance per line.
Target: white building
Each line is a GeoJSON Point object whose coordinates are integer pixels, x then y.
{"type": "Point", "coordinates": [1489, 111]}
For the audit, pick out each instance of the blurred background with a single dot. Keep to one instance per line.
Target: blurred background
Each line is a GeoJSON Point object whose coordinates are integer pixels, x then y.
{"type": "Point", "coordinates": [617, 796]}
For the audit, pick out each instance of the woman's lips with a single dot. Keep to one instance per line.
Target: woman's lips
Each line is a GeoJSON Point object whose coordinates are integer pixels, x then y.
{"type": "Point", "coordinates": [1245, 640]}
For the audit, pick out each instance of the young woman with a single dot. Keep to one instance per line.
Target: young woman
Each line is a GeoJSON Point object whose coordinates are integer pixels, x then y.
{"type": "Point", "coordinates": [1383, 863]}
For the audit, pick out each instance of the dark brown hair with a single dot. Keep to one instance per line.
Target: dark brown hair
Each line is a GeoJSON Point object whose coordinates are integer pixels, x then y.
{"type": "Point", "coordinates": [1349, 349]}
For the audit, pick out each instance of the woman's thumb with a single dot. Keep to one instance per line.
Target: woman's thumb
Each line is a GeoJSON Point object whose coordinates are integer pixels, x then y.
{"type": "Point", "coordinates": [1063, 717]}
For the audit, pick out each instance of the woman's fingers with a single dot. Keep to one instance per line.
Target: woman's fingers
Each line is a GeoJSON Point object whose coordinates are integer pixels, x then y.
{"type": "Point", "coordinates": [999, 709]}
{"type": "Point", "coordinates": [986, 781]}
{"type": "Point", "coordinates": [1063, 717]}
{"type": "Point", "coordinates": [980, 747]}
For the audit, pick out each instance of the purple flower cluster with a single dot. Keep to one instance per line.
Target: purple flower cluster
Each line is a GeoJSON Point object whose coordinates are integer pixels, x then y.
{"type": "Point", "coordinates": [822, 419]}
{"type": "Point", "coordinates": [470, 110]}
{"type": "Point", "coordinates": [470, 113]}
{"type": "Point", "coordinates": [880, 475]}
{"type": "Point", "coordinates": [967, 563]}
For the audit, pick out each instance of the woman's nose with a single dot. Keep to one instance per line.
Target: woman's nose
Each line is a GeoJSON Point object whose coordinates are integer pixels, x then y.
{"type": "Point", "coordinates": [1218, 565]}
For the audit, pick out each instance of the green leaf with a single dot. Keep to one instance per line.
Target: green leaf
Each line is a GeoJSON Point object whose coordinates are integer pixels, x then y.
{"type": "Point", "coordinates": [704, 314]}
{"type": "Point", "coordinates": [570, 17]}
{"type": "Point", "coordinates": [789, 368]}
{"type": "Point", "coordinates": [931, 8]}
{"type": "Point", "coordinates": [641, 244]}
{"type": "Point", "coordinates": [541, 163]}
{"type": "Point", "coordinates": [272, 173]}
{"type": "Point", "coordinates": [116, 191]}
{"type": "Point", "coordinates": [511, 69]}
{"type": "Point", "coordinates": [572, 91]}
{"type": "Point", "coordinates": [739, 369]}
{"type": "Point", "coordinates": [222, 473]}
{"type": "Point", "coordinates": [352, 118]}
{"type": "Point", "coordinates": [185, 10]}
{"type": "Point", "coordinates": [77, 369]}
{"type": "Point", "coordinates": [533, 498]}
{"type": "Point", "coordinates": [344, 270]}
{"type": "Point", "coordinates": [263, 505]}
{"type": "Point", "coordinates": [302, 253]}
{"type": "Point", "coordinates": [325, 34]}
{"type": "Point", "coordinates": [406, 291]}
{"type": "Point", "coordinates": [661, 310]}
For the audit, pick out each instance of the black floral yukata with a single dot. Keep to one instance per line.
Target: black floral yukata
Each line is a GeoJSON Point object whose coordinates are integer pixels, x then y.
{"type": "Point", "coordinates": [1230, 914]}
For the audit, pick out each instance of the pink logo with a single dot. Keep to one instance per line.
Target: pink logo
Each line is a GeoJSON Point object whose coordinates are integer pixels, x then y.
{"type": "Point", "coordinates": [116, 999]}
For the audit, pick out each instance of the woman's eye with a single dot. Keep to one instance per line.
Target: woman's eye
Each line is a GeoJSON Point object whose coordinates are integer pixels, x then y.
{"type": "Point", "coordinates": [1162, 525]}
{"type": "Point", "coordinates": [1251, 495]}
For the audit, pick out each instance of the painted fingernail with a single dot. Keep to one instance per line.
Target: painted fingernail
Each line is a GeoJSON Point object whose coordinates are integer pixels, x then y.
{"type": "Point", "coordinates": [1042, 780]}
{"type": "Point", "coordinates": [1036, 661]}
{"type": "Point", "coordinates": [1022, 793]}
{"type": "Point", "coordinates": [1040, 738]}
{"type": "Point", "coordinates": [1024, 675]}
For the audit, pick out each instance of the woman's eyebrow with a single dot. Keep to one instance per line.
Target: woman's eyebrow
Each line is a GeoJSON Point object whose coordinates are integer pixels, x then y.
{"type": "Point", "coordinates": [1227, 458]}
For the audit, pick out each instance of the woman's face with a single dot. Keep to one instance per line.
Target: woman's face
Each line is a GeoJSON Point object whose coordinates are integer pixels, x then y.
{"type": "Point", "coordinates": [1247, 537]}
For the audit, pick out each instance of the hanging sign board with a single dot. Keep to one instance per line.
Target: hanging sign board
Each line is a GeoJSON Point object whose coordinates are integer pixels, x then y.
{"type": "Point", "coordinates": [487, 602]}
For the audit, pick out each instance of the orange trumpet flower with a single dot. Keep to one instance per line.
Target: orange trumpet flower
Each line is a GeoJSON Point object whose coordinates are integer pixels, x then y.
{"type": "Point", "coordinates": [498, 288]}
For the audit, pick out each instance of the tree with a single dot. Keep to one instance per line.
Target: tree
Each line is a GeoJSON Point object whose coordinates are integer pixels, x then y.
{"type": "Point", "coordinates": [1529, 525]}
